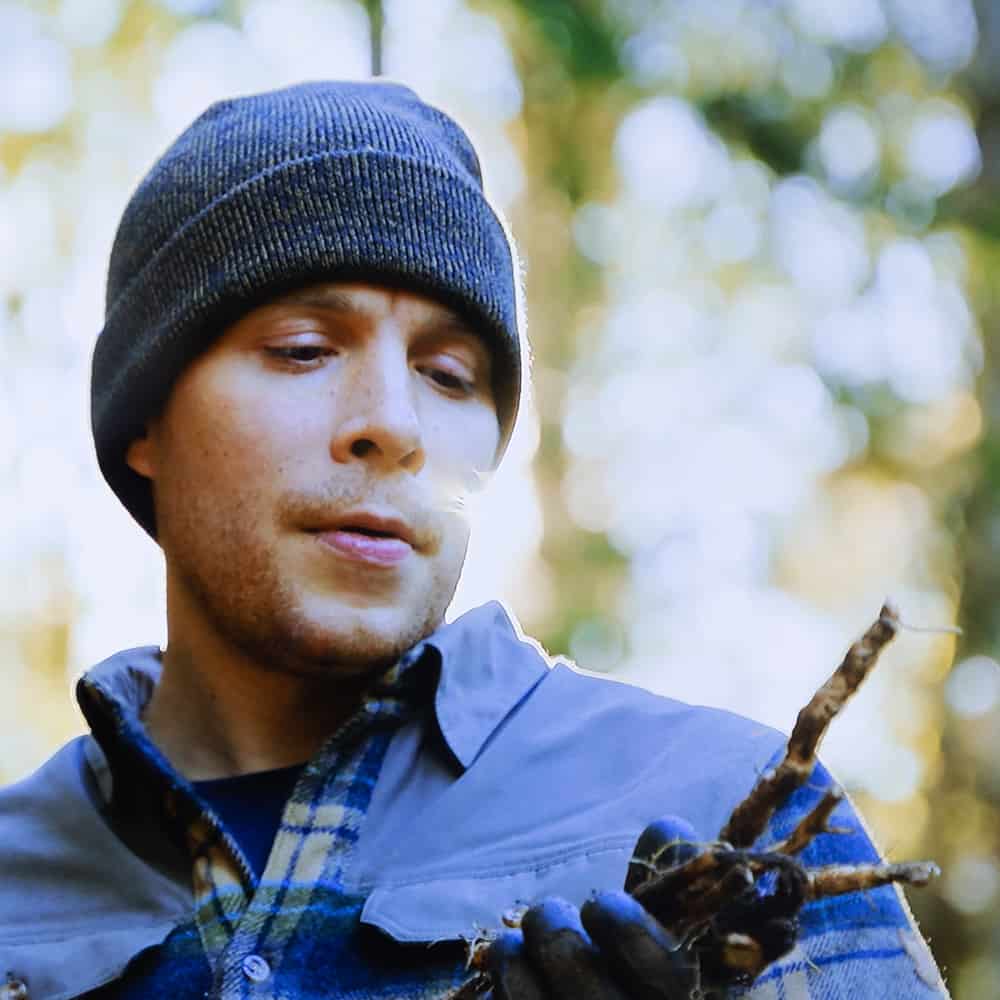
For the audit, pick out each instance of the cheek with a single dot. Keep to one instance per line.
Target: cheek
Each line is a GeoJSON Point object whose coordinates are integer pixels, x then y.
{"type": "Point", "coordinates": [224, 450]}
{"type": "Point", "coordinates": [462, 445]}
{"type": "Point", "coordinates": [446, 567]}
{"type": "Point", "coordinates": [457, 532]}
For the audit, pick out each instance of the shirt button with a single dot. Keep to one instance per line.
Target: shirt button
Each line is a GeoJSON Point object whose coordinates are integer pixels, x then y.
{"type": "Point", "coordinates": [256, 968]}
{"type": "Point", "coordinates": [13, 989]}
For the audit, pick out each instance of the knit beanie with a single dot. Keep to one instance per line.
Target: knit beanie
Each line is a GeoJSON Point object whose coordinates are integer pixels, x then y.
{"type": "Point", "coordinates": [326, 181]}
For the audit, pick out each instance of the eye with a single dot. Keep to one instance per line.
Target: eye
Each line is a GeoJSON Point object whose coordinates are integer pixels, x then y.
{"type": "Point", "coordinates": [300, 355]}
{"type": "Point", "coordinates": [454, 384]}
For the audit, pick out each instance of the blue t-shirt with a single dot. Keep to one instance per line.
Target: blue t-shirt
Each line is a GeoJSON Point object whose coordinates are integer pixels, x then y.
{"type": "Point", "coordinates": [250, 807]}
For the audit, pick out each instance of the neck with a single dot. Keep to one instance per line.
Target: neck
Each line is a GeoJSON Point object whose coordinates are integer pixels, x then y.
{"type": "Point", "coordinates": [224, 723]}
{"type": "Point", "coordinates": [218, 713]}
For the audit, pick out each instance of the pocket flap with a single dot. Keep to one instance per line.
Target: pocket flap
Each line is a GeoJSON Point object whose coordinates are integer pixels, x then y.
{"type": "Point", "coordinates": [59, 969]}
{"type": "Point", "coordinates": [445, 909]}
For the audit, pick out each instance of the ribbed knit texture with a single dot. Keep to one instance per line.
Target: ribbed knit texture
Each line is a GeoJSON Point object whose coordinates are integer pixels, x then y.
{"type": "Point", "coordinates": [325, 181]}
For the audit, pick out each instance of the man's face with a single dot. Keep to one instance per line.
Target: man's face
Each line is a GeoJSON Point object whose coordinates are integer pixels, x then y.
{"type": "Point", "coordinates": [307, 473]}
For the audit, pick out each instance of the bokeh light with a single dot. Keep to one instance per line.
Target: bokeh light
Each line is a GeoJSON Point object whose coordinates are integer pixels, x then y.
{"type": "Point", "coordinates": [667, 157]}
{"type": "Point", "coordinates": [942, 150]}
{"type": "Point", "coordinates": [973, 687]}
{"type": "Point", "coordinates": [972, 884]}
{"type": "Point", "coordinates": [855, 24]}
{"type": "Point", "coordinates": [848, 147]}
{"type": "Point", "coordinates": [36, 82]}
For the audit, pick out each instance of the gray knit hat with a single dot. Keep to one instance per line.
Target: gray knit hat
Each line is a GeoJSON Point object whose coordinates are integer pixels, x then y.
{"type": "Point", "coordinates": [263, 194]}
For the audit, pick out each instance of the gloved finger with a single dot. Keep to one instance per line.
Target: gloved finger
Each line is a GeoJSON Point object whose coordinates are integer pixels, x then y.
{"type": "Point", "coordinates": [637, 948]}
{"type": "Point", "coordinates": [669, 841]}
{"type": "Point", "coordinates": [510, 969]}
{"type": "Point", "coordinates": [777, 938]}
{"type": "Point", "coordinates": [561, 950]}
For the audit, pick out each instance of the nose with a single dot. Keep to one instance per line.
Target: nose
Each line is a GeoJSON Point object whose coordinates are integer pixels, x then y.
{"type": "Point", "coordinates": [377, 418]}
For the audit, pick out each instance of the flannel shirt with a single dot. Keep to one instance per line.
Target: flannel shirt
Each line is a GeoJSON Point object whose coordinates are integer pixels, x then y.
{"type": "Point", "coordinates": [295, 929]}
{"type": "Point", "coordinates": [475, 775]}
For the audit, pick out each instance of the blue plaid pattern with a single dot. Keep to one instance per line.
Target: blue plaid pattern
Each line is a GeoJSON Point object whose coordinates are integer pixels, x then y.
{"type": "Point", "coordinates": [299, 918]}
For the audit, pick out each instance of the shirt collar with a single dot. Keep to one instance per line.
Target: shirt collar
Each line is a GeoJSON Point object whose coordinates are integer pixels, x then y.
{"type": "Point", "coordinates": [486, 668]}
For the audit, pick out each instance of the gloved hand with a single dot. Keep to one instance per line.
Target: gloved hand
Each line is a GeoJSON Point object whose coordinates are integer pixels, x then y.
{"type": "Point", "coordinates": [617, 947]}
{"type": "Point", "coordinates": [609, 949]}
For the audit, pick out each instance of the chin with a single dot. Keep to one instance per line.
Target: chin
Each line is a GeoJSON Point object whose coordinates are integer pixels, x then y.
{"type": "Point", "coordinates": [354, 640]}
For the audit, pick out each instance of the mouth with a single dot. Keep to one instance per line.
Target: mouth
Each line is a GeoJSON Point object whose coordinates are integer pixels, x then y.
{"type": "Point", "coordinates": [373, 525]}
{"type": "Point", "coordinates": [369, 538]}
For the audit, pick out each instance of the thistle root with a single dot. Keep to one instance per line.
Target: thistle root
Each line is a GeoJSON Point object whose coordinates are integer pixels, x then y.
{"type": "Point", "coordinates": [750, 818]}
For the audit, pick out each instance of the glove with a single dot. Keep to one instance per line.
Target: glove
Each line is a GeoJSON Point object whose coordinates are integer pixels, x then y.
{"type": "Point", "coordinates": [611, 948]}
{"type": "Point", "coordinates": [662, 948]}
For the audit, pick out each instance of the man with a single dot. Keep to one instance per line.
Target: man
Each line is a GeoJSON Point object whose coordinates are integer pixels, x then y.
{"type": "Point", "coordinates": [311, 355]}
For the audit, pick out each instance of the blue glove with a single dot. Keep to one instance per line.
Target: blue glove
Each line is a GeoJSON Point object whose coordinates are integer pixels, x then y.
{"type": "Point", "coordinates": [610, 949]}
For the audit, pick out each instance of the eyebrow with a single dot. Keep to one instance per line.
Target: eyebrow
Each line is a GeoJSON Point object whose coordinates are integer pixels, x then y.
{"type": "Point", "coordinates": [445, 320]}
{"type": "Point", "coordinates": [324, 298]}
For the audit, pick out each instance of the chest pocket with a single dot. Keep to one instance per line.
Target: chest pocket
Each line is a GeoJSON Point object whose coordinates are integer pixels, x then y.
{"type": "Point", "coordinates": [452, 908]}
{"type": "Point", "coordinates": [70, 967]}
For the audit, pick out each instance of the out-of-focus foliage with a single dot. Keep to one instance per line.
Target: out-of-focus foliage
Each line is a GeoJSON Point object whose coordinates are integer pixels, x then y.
{"type": "Point", "coordinates": [760, 243]}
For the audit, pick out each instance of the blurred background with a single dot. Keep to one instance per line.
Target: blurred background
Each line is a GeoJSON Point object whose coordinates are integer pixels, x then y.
{"type": "Point", "coordinates": [761, 248]}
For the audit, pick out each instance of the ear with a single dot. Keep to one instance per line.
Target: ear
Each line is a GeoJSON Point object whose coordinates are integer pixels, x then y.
{"type": "Point", "coordinates": [140, 456]}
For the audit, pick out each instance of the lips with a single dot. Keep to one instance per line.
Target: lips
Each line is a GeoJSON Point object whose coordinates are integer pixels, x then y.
{"type": "Point", "coordinates": [374, 525]}
{"type": "Point", "coordinates": [366, 537]}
